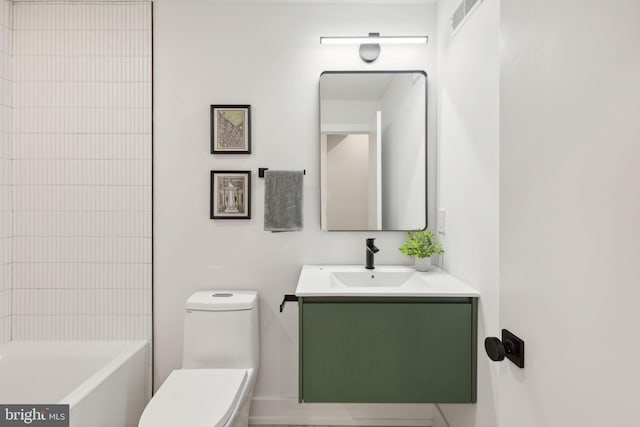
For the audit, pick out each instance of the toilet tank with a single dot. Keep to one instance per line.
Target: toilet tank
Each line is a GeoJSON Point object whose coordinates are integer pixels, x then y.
{"type": "Point", "coordinates": [221, 330]}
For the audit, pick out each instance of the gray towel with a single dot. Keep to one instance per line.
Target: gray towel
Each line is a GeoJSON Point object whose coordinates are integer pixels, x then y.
{"type": "Point", "coordinates": [283, 200]}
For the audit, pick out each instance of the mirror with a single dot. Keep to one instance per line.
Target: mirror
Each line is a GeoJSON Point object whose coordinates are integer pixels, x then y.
{"type": "Point", "coordinates": [373, 139]}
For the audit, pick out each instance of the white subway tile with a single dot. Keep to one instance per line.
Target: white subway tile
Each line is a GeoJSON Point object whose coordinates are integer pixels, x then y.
{"type": "Point", "coordinates": [129, 172]}
{"type": "Point", "coordinates": [80, 223]}
{"type": "Point", "coordinates": [82, 249]}
{"type": "Point", "coordinates": [83, 94]}
{"type": "Point", "coordinates": [81, 246]}
{"type": "Point", "coordinates": [81, 327]}
{"type": "Point", "coordinates": [6, 233]}
{"type": "Point", "coordinates": [86, 146]}
{"type": "Point", "coordinates": [5, 13]}
{"type": "Point", "coordinates": [5, 172]}
{"type": "Point", "coordinates": [81, 198]}
{"type": "Point", "coordinates": [82, 69]}
{"type": "Point", "coordinates": [6, 271]}
{"type": "Point", "coordinates": [82, 276]}
{"type": "Point", "coordinates": [5, 329]}
{"type": "Point", "coordinates": [7, 97]}
{"type": "Point", "coordinates": [6, 250]}
{"type": "Point", "coordinates": [78, 120]}
{"type": "Point", "coordinates": [5, 303]}
{"type": "Point", "coordinates": [6, 227]}
{"type": "Point", "coordinates": [79, 302]}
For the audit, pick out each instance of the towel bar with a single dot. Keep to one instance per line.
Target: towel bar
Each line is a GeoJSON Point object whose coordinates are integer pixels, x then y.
{"type": "Point", "coordinates": [287, 297]}
{"type": "Point", "coordinates": [261, 172]}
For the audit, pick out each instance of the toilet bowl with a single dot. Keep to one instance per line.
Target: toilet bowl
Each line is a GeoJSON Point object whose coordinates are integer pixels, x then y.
{"type": "Point", "coordinates": [220, 360]}
{"type": "Point", "coordinates": [197, 398]}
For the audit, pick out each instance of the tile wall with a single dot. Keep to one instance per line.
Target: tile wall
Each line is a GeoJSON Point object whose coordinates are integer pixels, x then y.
{"type": "Point", "coordinates": [5, 171]}
{"type": "Point", "coordinates": [81, 171]}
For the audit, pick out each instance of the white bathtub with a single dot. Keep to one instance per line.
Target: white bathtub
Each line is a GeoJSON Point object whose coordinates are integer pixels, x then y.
{"type": "Point", "coordinates": [105, 383]}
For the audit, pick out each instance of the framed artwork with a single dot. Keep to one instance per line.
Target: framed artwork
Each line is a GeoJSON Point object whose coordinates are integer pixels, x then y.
{"type": "Point", "coordinates": [230, 195]}
{"type": "Point", "coordinates": [230, 129]}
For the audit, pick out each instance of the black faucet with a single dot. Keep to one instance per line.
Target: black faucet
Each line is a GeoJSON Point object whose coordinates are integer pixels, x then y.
{"type": "Point", "coordinates": [371, 249]}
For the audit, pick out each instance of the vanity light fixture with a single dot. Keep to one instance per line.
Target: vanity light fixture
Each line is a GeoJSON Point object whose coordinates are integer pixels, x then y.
{"type": "Point", "coordinates": [370, 45]}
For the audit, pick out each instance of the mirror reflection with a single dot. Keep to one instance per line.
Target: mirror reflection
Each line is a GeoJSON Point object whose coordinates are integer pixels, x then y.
{"type": "Point", "coordinates": [373, 128]}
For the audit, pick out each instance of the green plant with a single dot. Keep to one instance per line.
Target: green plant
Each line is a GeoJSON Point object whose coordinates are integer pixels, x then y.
{"type": "Point", "coordinates": [421, 244]}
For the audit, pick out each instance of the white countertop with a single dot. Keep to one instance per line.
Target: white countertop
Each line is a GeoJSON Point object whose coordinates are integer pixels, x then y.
{"type": "Point", "coordinates": [323, 281]}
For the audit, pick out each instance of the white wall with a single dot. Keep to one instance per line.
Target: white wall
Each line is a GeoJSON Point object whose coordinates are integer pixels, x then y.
{"type": "Point", "coordinates": [403, 170]}
{"type": "Point", "coordinates": [6, 231]}
{"type": "Point", "coordinates": [344, 116]}
{"type": "Point", "coordinates": [570, 211]}
{"type": "Point", "coordinates": [348, 177]}
{"type": "Point", "coordinates": [82, 171]}
{"type": "Point", "coordinates": [468, 162]}
{"type": "Point", "coordinates": [268, 56]}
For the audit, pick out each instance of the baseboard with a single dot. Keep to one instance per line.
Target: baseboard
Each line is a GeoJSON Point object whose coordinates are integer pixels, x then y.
{"type": "Point", "coordinates": [276, 411]}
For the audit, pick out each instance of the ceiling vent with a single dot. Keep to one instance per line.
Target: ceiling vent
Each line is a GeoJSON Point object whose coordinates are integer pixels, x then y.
{"type": "Point", "coordinates": [462, 14]}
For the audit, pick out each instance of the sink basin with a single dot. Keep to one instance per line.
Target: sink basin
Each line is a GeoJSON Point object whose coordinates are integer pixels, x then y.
{"type": "Point", "coordinates": [383, 281]}
{"type": "Point", "coordinates": [370, 278]}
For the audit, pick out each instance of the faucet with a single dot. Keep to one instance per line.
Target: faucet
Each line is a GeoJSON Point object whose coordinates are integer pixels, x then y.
{"type": "Point", "coordinates": [371, 249]}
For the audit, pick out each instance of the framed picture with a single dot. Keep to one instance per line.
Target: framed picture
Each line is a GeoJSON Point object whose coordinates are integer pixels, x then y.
{"type": "Point", "coordinates": [230, 195]}
{"type": "Point", "coordinates": [230, 129]}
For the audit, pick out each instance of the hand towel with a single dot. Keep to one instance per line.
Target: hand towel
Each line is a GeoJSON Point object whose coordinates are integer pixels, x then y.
{"type": "Point", "coordinates": [283, 200]}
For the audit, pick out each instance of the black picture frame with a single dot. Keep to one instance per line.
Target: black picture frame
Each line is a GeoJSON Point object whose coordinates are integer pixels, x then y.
{"type": "Point", "coordinates": [230, 194]}
{"type": "Point", "coordinates": [230, 129]}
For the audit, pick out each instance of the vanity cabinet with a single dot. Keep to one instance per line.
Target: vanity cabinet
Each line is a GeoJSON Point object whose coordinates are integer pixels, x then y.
{"type": "Point", "coordinates": [388, 349]}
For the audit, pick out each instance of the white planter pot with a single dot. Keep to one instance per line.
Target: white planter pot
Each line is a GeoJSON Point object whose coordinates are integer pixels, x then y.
{"type": "Point", "coordinates": [423, 264]}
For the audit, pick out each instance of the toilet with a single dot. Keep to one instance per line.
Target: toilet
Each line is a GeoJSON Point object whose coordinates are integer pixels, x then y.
{"type": "Point", "coordinates": [219, 364]}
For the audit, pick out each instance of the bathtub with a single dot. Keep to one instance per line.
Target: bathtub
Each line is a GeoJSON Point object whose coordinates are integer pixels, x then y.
{"type": "Point", "coordinates": [105, 383]}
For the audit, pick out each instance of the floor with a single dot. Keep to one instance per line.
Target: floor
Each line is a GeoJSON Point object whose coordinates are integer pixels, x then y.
{"type": "Point", "coordinates": [282, 425]}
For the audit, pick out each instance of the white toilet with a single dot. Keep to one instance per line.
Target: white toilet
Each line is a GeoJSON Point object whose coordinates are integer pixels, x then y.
{"type": "Point", "coordinates": [219, 365]}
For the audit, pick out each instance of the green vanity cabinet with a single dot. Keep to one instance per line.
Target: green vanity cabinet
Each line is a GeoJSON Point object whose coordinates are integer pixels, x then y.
{"type": "Point", "coordinates": [388, 349]}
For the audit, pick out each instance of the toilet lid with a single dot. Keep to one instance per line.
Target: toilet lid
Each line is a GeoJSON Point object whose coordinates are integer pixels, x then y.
{"type": "Point", "coordinates": [195, 398]}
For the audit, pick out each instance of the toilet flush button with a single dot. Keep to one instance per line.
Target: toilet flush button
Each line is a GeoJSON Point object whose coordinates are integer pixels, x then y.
{"type": "Point", "coordinates": [222, 300]}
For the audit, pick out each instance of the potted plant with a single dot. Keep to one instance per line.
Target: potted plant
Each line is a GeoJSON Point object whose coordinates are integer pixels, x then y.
{"type": "Point", "coordinates": [421, 245]}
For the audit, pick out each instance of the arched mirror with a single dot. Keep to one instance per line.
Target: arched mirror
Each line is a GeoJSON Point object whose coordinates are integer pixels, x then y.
{"type": "Point", "coordinates": [373, 161]}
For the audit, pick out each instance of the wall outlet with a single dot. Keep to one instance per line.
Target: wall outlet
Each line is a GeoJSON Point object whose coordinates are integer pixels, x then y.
{"type": "Point", "coordinates": [442, 221]}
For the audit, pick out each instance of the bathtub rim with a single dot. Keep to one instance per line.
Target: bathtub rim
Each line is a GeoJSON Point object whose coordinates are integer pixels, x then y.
{"type": "Point", "coordinates": [130, 348]}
